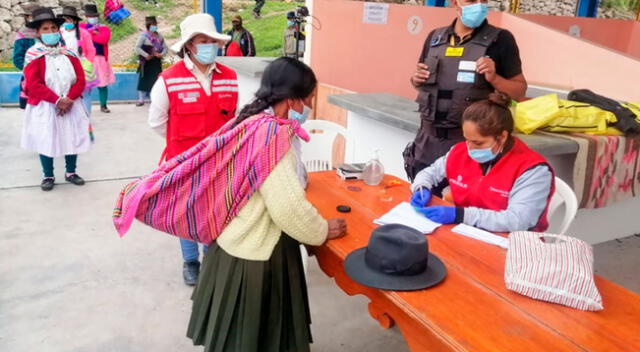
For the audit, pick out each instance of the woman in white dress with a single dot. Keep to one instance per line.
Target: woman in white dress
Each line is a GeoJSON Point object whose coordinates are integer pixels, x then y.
{"type": "Point", "coordinates": [56, 123]}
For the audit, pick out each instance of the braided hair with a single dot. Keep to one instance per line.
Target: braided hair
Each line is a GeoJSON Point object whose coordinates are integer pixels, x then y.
{"type": "Point", "coordinates": [284, 78]}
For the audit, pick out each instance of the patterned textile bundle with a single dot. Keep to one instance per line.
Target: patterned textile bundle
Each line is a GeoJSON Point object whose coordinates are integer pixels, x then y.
{"type": "Point", "coordinates": [39, 50]}
{"type": "Point", "coordinates": [90, 75]}
{"type": "Point", "coordinates": [606, 170]}
{"type": "Point", "coordinates": [552, 268]}
{"type": "Point", "coordinates": [196, 194]}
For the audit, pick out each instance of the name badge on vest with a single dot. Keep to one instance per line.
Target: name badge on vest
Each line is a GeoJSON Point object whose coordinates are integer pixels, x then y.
{"type": "Point", "coordinates": [467, 66]}
{"type": "Point", "coordinates": [190, 97]}
{"type": "Point", "coordinates": [454, 52]}
{"type": "Point", "coordinates": [466, 77]}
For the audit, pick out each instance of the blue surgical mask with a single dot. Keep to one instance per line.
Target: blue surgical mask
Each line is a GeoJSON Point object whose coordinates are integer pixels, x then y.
{"type": "Point", "coordinates": [51, 38]}
{"type": "Point", "coordinates": [474, 15]}
{"type": "Point", "coordinates": [207, 53]}
{"type": "Point", "coordinates": [68, 26]}
{"type": "Point", "coordinates": [291, 23]}
{"type": "Point", "coordinates": [482, 155]}
{"type": "Point", "coordinates": [301, 117]}
{"type": "Point", "coordinates": [93, 20]}
{"type": "Point", "coordinates": [153, 28]}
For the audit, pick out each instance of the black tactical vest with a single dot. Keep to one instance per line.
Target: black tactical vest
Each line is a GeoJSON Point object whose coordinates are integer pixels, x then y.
{"type": "Point", "coordinates": [455, 85]}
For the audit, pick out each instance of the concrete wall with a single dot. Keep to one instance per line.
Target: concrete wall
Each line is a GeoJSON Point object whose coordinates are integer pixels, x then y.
{"type": "Point", "coordinates": [349, 54]}
{"type": "Point", "coordinates": [613, 34]}
{"type": "Point", "coordinates": [366, 57]}
{"type": "Point", "coordinates": [634, 43]}
{"type": "Point", "coordinates": [125, 87]}
{"type": "Point", "coordinates": [559, 60]}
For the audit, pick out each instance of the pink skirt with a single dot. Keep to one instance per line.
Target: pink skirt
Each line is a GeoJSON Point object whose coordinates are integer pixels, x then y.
{"type": "Point", "coordinates": [103, 71]}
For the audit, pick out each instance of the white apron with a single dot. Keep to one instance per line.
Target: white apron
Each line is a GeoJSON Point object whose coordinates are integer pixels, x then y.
{"type": "Point", "coordinates": [46, 133]}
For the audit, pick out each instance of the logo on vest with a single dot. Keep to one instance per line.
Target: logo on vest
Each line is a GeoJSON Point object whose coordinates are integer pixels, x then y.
{"type": "Point", "coordinates": [458, 182]}
{"type": "Point", "coordinates": [504, 194]}
{"type": "Point", "coordinates": [224, 95]}
{"type": "Point", "coordinates": [189, 97]}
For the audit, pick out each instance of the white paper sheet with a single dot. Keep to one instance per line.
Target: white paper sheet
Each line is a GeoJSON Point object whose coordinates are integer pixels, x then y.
{"type": "Point", "coordinates": [404, 214]}
{"type": "Point", "coordinates": [481, 235]}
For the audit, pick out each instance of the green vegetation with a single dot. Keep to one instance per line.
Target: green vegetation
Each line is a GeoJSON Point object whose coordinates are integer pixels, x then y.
{"type": "Point", "coordinates": [149, 8]}
{"type": "Point", "coordinates": [625, 5]}
{"type": "Point", "coordinates": [268, 31]}
{"type": "Point", "coordinates": [118, 31]}
{"type": "Point", "coordinates": [175, 32]}
{"type": "Point", "coordinates": [7, 66]}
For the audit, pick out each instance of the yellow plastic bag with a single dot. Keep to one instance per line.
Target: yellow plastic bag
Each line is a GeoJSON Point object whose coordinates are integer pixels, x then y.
{"type": "Point", "coordinates": [610, 131]}
{"type": "Point", "coordinates": [635, 109]}
{"type": "Point", "coordinates": [551, 114]}
{"type": "Point", "coordinates": [580, 117]}
{"type": "Point", "coordinates": [535, 113]}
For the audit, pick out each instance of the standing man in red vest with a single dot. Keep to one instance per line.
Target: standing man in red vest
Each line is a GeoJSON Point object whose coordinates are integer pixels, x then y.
{"type": "Point", "coordinates": [191, 100]}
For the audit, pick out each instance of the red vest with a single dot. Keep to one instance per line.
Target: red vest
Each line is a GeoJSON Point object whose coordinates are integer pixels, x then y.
{"type": "Point", "coordinates": [470, 188]}
{"type": "Point", "coordinates": [192, 114]}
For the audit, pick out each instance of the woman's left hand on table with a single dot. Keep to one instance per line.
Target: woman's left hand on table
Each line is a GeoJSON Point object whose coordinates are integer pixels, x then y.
{"type": "Point", "coordinates": [440, 214]}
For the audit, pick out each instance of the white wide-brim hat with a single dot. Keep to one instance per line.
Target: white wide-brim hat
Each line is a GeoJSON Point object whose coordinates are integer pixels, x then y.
{"type": "Point", "coordinates": [201, 23]}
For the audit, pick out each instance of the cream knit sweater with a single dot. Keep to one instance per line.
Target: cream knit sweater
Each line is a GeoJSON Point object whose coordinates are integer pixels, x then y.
{"type": "Point", "coordinates": [280, 205]}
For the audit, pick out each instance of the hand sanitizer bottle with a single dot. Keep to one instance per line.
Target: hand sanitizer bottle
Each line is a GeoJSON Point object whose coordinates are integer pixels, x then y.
{"type": "Point", "coordinates": [374, 171]}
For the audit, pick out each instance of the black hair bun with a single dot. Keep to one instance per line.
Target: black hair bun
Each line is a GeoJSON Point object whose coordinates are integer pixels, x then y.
{"type": "Point", "coordinates": [500, 98]}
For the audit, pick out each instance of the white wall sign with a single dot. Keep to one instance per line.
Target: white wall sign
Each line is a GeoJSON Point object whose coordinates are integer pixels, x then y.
{"type": "Point", "coordinates": [375, 13]}
{"type": "Point", "coordinates": [415, 25]}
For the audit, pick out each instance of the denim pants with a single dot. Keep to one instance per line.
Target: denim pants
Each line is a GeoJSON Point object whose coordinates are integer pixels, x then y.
{"type": "Point", "coordinates": [86, 100]}
{"type": "Point", "coordinates": [190, 251]}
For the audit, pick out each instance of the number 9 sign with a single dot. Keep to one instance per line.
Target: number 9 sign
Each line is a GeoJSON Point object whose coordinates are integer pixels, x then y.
{"type": "Point", "coordinates": [414, 25]}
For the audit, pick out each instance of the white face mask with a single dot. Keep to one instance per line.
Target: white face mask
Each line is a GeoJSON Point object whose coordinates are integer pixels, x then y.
{"type": "Point", "coordinates": [93, 20]}
{"type": "Point", "coordinates": [301, 117]}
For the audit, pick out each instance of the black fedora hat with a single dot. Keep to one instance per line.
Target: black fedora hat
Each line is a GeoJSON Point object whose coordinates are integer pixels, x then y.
{"type": "Point", "coordinates": [397, 258]}
{"type": "Point", "coordinates": [42, 14]}
{"type": "Point", "coordinates": [91, 10]}
{"type": "Point", "coordinates": [70, 11]}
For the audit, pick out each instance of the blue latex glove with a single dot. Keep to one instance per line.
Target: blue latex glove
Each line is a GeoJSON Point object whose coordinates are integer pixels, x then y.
{"type": "Point", "coordinates": [440, 214]}
{"type": "Point", "coordinates": [420, 198]}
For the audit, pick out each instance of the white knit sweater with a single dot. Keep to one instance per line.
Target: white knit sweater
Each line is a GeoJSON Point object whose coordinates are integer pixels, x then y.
{"type": "Point", "coordinates": [280, 205]}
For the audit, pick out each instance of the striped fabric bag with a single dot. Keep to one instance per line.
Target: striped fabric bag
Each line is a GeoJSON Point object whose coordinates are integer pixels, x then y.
{"type": "Point", "coordinates": [196, 194]}
{"type": "Point", "coordinates": [90, 76]}
{"type": "Point", "coordinates": [552, 268]}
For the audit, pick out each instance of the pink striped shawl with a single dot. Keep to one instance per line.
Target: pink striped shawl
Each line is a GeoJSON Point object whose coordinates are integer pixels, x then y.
{"type": "Point", "coordinates": [196, 194]}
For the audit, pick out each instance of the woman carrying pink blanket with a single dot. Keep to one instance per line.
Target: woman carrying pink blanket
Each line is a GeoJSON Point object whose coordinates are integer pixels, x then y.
{"type": "Point", "coordinates": [241, 188]}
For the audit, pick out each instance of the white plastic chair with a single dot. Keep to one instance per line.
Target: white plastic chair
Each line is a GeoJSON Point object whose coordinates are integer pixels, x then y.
{"type": "Point", "coordinates": [318, 153]}
{"type": "Point", "coordinates": [564, 195]}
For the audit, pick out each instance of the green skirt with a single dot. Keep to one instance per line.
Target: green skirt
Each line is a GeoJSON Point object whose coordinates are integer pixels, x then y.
{"type": "Point", "coordinates": [252, 306]}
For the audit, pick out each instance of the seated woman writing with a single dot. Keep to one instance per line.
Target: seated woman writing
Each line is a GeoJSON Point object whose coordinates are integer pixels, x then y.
{"type": "Point", "coordinates": [497, 182]}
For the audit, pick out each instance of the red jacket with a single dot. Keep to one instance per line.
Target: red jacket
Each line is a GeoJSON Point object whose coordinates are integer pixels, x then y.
{"type": "Point", "coordinates": [470, 188]}
{"type": "Point", "coordinates": [36, 88]}
{"type": "Point", "coordinates": [192, 114]}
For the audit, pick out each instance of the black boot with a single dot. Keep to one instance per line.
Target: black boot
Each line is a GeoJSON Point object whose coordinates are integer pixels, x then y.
{"type": "Point", "coordinates": [190, 272]}
{"type": "Point", "coordinates": [75, 179]}
{"type": "Point", "coordinates": [48, 183]}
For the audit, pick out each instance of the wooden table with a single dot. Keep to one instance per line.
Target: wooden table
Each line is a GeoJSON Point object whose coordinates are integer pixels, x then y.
{"type": "Point", "coordinates": [471, 310]}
